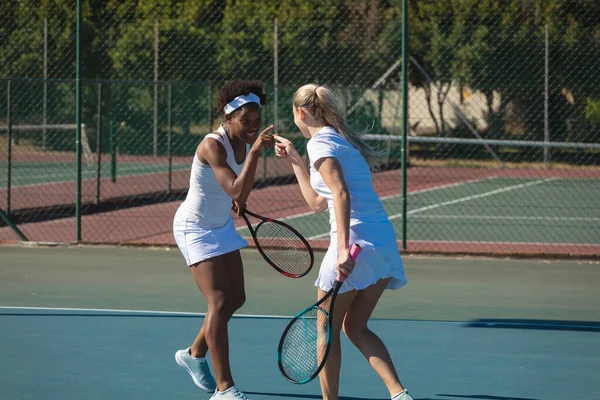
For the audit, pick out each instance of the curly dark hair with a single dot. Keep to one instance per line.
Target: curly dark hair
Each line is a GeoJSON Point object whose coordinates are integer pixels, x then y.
{"type": "Point", "coordinates": [238, 87]}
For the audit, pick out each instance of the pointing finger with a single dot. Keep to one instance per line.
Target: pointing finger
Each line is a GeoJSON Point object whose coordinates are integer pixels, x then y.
{"type": "Point", "coordinates": [268, 129]}
{"type": "Point", "coordinates": [281, 139]}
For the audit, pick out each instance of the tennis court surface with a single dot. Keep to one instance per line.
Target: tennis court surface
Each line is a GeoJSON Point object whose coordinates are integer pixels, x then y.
{"type": "Point", "coordinates": [104, 323]}
{"type": "Point", "coordinates": [490, 209]}
{"type": "Point", "coordinates": [449, 210]}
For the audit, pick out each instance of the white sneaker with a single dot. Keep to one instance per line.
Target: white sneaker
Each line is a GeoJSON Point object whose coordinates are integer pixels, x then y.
{"type": "Point", "coordinates": [404, 396]}
{"type": "Point", "coordinates": [232, 393]}
{"type": "Point", "coordinates": [198, 370]}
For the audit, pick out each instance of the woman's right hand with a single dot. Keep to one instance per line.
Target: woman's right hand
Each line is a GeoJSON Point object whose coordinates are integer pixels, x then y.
{"type": "Point", "coordinates": [264, 140]}
{"type": "Point", "coordinates": [345, 264]}
{"type": "Point", "coordinates": [285, 149]}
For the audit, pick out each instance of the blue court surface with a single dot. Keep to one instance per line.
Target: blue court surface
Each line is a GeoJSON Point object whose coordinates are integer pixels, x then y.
{"type": "Point", "coordinates": [78, 354]}
{"type": "Point", "coordinates": [100, 322]}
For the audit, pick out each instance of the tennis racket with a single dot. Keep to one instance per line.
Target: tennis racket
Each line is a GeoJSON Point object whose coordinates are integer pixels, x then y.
{"type": "Point", "coordinates": [306, 341]}
{"type": "Point", "coordinates": [282, 247]}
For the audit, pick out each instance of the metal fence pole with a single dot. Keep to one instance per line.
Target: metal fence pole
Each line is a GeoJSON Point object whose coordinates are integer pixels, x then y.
{"type": "Point", "coordinates": [78, 123]}
{"type": "Point", "coordinates": [45, 111]}
{"type": "Point", "coordinates": [546, 90]}
{"type": "Point", "coordinates": [8, 144]}
{"type": "Point", "coordinates": [405, 65]}
{"type": "Point", "coordinates": [155, 124]}
{"type": "Point", "coordinates": [12, 226]}
{"type": "Point", "coordinates": [99, 143]}
{"type": "Point", "coordinates": [210, 115]}
{"type": "Point", "coordinates": [275, 89]}
{"type": "Point", "coordinates": [275, 72]}
{"type": "Point", "coordinates": [113, 150]}
{"type": "Point", "coordinates": [170, 134]}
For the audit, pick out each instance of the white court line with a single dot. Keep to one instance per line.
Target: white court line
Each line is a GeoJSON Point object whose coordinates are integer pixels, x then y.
{"type": "Point", "coordinates": [460, 200]}
{"type": "Point", "coordinates": [449, 185]}
{"type": "Point", "coordinates": [392, 196]}
{"type": "Point", "coordinates": [473, 323]}
{"type": "Point", "coordinates": [66, 177]}
{"type": "Point", "coordinates": [508, 217]}
{"type": "Point", "coordinates": [487, 242]}
{"type": "Point", "coordinates": [120, 311]}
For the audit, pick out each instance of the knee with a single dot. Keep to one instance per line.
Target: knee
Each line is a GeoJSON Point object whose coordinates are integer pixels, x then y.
{"type": "Point", "coordinates": [353, 330]}
{"type": "Point", "coordinates": [220, 304]}
{"type": "Point", "coordinates": [238, 301]}
{"type": "Point", "coordinates": [227, 305]}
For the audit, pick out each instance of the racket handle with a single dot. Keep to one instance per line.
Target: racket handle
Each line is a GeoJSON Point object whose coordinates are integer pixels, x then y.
{"type": "Point", "coordinates": [354, 252]}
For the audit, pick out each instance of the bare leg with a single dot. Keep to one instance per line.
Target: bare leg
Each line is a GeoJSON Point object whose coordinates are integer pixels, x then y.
{"type": "Point", "coordinates": [199, 348]}
{"type": "Point", "coordinates": [369, 344]}
{"type": "Point", "coordinates": [219, 280]}
{"type": "Point", "coordinates": [330, 374]}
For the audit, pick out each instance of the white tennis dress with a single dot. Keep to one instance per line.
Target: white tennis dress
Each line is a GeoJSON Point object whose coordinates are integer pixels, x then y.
{"type": "Point", "coordinates": [203, 227]}
{"type": "Point", "coordinates": [369, 223]}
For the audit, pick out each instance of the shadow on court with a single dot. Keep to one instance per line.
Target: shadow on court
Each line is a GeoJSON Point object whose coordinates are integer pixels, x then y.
{"type": "Point", "coordinates": [540, 324]}
{"type": "Point", "coordinates": [453, 396]}
{"type": "Point", "coordinates": [307, 396]}
{"type": "Point", "coordinates": [482, 397]}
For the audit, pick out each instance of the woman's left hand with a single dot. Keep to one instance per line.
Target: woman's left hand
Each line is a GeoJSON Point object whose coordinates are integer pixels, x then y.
{"type": "Point", "coordinates": [285, 149]}
{"type": "Point", "coordinates": [237, 207]}
{"type": "Point", "coordinates": [345, 265]}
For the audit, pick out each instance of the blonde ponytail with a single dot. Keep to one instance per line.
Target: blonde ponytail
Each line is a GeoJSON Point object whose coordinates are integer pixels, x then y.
{"type": "Point", "coordinates": [323, 105]}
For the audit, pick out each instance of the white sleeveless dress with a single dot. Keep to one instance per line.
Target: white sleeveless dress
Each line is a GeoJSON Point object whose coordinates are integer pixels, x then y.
{"type": "Point", "coordinates": [369, 223]}
{"type": "Point", "coordinates": [203, 227]}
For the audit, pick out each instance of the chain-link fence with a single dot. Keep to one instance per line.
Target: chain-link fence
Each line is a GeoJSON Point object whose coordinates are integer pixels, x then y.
{"type": "Point", "coordinates": [503, 105]}
{"type": "Point", "coordinates": [503, 114]}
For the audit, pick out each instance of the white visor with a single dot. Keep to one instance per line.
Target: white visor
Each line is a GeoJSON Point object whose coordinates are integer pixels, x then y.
{"type": "Point", "coordinates": [240, 101]}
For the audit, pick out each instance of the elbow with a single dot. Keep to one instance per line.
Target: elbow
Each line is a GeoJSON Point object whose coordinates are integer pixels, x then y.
{"type": "Point", "coordinates": [318, 208]}
{"type": "Point", "coordinates": [237, 195]}
{"type": "Point", "coordinates": [341, 195]}
{"type": "Point", "coordinates": [238, 198]}
{"type": "Point", "coordinates": [319, 205]}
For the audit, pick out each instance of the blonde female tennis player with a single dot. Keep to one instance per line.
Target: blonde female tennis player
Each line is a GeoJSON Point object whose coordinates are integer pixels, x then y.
{"type": "Point", "coordinates": [340, 180]}
{"type": "Point", "coordinates": [223, 170]}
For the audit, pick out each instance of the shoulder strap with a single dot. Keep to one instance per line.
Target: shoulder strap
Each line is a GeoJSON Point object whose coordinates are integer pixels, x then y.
{"type": "Point", "coordinates": [215, 136]}
{"type": "Point", "coordinates": [221, 137]}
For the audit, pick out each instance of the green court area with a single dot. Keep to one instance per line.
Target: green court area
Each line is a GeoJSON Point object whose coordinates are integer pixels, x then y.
{"type": "Point", "coordinates": [99, 322]}
{"type": "Point", "coordinates": [497, 209]}
{"type": "Point", "coordinates": [40, 173]}
{"type": "Point", "coordinates": [440, 288]}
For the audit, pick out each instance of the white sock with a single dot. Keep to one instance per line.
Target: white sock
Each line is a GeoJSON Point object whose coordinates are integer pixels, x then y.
{"type": "Point", "coordinates": [228, 390]}
{"type": "Point", "coordinates": [397, 395]}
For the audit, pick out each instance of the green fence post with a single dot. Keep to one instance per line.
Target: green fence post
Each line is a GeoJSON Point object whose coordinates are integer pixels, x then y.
{"type": "Point", "coordinates": [99, 143]}
{"type": "Point", "coordinates": [113, 150]}
{"type": "Point", "coordinates": [405, 65]}
{"type": "Point", "coordinates": [169, 134]}
{"type": "Point", "coordinates": [379, 121]}
{"type": "Point", "coordinates": [210, 115]}
{"type": "Point", "coordinates": [8, 145]}
{"type": "Point", "coordinates": [12, 226]}
{"type": "Point", "coordinates": [78, 124]}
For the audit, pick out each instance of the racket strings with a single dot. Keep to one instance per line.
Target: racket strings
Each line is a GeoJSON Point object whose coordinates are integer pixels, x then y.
{"type": "Point", "coordinates": [284, 248]}
{"type": "Point", "coordinates": [304, 345]}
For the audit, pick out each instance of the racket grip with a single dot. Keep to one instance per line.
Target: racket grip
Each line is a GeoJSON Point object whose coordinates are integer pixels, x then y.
{"type": "Point", "coordinates": [355, 251]}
